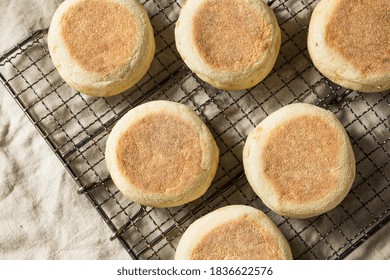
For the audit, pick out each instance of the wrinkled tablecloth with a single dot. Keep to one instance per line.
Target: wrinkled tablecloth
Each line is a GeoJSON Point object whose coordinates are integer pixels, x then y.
{"type": "Point", "coordinates": [41, 216]}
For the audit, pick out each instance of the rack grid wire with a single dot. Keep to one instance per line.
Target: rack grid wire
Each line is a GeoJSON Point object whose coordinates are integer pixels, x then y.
{"type": "Point", "coordinates": [76, 127]}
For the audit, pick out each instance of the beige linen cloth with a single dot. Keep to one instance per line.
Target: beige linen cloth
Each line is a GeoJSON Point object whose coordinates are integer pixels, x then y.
{"type": "Point", "coordinates": [41, 216]}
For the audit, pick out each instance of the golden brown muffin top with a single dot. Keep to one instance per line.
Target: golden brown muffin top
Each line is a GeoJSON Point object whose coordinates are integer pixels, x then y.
{"type": "Point", "coordinates": [239, 239]}
{"type": "Point", "coordinates": [100, 35]}
{"type": "Point", "coordinates": [301, 159]}
{"type": "Point", "coordinates": [229, 34]}
{"type": "Point", "coordinates": [160, 153]}
{"type": "Point", "coordinates": [360, 32]}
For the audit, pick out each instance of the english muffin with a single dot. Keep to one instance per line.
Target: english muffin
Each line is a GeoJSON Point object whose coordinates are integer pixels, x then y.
{"type": "Point", "coordinates": [299, 161]}
{"type": "Point", "coordinates": [349, 43]}
{"type": "Point", "coordinates": [161, 154]}
{"type": "Point", "coordinates": [235, 232]}
{"type": "Point", "coordinates": [231, 44]}
{"type": "Point", "coordinates": [101, 47]}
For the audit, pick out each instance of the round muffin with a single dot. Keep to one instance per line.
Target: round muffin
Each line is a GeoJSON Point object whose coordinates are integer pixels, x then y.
{"type": "Point", "coordinates": [349, 43]}
{"type": "Point", "coordinates": [234, 232]}
{"type": "Point", "coordinates": [101, 47]}
{"type": "Point", "coordinates": [299, 161]}
{"type": "Point", "coordinates": [161, 154]}
{"type": "Point", "coordinates": [231, 44]}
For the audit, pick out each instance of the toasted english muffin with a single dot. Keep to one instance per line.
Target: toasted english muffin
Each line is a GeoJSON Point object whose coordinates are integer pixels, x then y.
{"type": "Point", "coordinates": [101, 47]}
{"type": "Point", "coordinates": [161, 154]}
{"type": "Point", "coordinates": [348, 42]}
{"type": "Point", "coordinates": [234, 232]}
{"type": "Point", "coordinates": [299, 161]}
{"type": "Point", "coordinates": [231, 44]}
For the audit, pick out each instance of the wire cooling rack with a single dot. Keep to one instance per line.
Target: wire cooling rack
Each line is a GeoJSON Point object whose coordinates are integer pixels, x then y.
{"type": "Point", "coordinates": [76, 127]}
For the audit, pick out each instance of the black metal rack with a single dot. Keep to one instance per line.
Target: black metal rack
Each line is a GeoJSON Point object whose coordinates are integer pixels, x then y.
{"type": "Point", "coordinates": [76, 127]}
